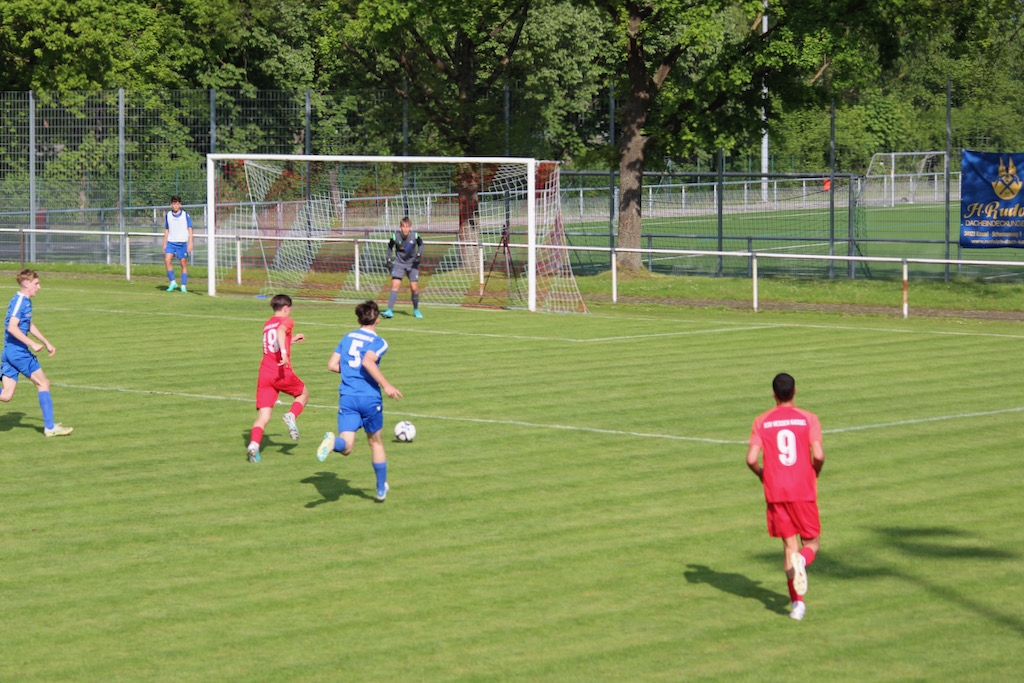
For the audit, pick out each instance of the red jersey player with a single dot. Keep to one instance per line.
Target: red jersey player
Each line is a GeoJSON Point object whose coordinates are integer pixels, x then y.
{"type": "Point", "coordinates": [793, 457]}
{"type": "Point", "coordinates": [276, 375]}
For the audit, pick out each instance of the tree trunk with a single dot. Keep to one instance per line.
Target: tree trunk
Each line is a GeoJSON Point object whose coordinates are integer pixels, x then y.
{"type": "Point", "coordinates": [631, 180]}
{"type": "Point", "coordinates": [468, 189]}
{"type": "Point", "coordinates": [633, 146]}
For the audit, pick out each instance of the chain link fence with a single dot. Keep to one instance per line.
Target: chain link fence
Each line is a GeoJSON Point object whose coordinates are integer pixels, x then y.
{"type": "Point", "coordinates": [76, 164]}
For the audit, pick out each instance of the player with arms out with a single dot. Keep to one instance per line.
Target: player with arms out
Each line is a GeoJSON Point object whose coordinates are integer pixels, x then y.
{"type": "Point", "coordinates": [177, 242]}
{"type": "Point", "coordinates": [276, 375]}
{"type": "Point", "coordinates": [405, 250]}
{"type": "Point", "coordinates": [790, 438]}
{"type": "Point", "coordinates": [360, 404]}
{"type": "Point", "coordinates": [18, 357]}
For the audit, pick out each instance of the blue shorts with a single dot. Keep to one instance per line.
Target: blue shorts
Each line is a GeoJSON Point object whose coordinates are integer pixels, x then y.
{"type": "Point", "coordinates": [177, 249]}
{"type": "Point", "coordinates": [400, 270]}
{"type": "Point", "coordinates": [18, 359]}
{"type": "Point", "coordinates": [360, 411]}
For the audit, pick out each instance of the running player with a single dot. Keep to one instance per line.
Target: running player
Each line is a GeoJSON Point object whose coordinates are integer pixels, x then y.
{"type": "Point", "coordinates": [17, 357]}
{"type": "Point", "coordinates": [276, 375]}
{"type": "Point", "coordinates": [357, 357]}
{"type": "Point", "coordinates": [790, 438]}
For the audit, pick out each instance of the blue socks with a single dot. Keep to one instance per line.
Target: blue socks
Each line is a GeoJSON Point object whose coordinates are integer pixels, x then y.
{"type": "Point", "coordinates": [170, 276]}
{"type": "Point", "coordinates": [184, 279]}
{"type": "Point", "coordinates": [392, 298]}
{"type": "Point", "coordinates": [381, 470]}
{"type": "Point", "coordinates": [46, 403]}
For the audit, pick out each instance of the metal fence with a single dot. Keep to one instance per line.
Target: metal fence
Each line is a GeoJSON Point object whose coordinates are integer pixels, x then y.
{"type": "Point", "coordinates": [109, 161]}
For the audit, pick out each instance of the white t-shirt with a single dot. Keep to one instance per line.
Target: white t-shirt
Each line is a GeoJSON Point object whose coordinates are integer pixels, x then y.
{"type": "Point", "coordinates": [178, 226]}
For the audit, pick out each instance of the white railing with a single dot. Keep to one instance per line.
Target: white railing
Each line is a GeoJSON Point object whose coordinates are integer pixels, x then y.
{"type": "Point", "coordinates": [752, 256]}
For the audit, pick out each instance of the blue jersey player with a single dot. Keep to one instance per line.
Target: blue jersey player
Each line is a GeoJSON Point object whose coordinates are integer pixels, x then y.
{"type": "Point", "coordinates": [18, 357]}
{"type": "Point", "coordinates": [360, 404]}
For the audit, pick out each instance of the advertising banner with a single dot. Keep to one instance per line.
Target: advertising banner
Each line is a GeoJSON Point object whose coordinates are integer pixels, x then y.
{"type": "Point", "coordinates": [991, 200]}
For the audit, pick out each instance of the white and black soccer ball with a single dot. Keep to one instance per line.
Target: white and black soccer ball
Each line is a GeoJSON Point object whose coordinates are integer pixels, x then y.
{"type": "Point", "coordinates": [405, 431]}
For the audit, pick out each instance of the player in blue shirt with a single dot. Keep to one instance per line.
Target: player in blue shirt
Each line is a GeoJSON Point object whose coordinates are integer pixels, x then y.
{"type": "Point", "coordinates": [404, 252]}
{"type": "Point", "coordinates": [18, 357]}
{"type": "Point", "coordinates": [360, 405]}
{"type": "Point", "coordinates": [177, 242]}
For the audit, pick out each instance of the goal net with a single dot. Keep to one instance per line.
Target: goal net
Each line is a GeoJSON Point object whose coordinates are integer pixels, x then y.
{"type": "Point", "coordinates": [903, 178]}
{"type": "Point", "coordinates": [319, 226]}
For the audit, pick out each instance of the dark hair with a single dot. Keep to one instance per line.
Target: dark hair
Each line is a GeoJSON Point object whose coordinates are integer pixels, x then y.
{"type": "Point", "coordinates": [367, 312]}
{"type": "Point", "coordinates": [280, 301]}
{"type": "Point", "coordinates": [175, 198]}
{"type": "Point", "coordinates": [784, 387]}
{"type": "Point", "coordinates": [405, 221]}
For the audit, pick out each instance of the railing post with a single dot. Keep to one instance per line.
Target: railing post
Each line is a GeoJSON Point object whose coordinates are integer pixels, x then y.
{"type": "Point", "coordinates": [355, 262]}
{"type": "Point", "coordinates": [615, 277]}
{"type": "Point", "coordinates": [753, 276]}
{"type": "Point", "coordinates": [906, 277]}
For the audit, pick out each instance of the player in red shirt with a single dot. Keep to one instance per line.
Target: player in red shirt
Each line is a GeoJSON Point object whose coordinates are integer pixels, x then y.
{"type": "Point", "coordinates": [276, 375]}
{"type": "Point", "coordinates": [793, 457]}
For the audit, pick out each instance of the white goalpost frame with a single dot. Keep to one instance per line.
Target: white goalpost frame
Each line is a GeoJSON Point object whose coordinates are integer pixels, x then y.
{"type": "Point", "coordinates": [920, 158]}
{"type": "Point", "coordinates": [531, 204]}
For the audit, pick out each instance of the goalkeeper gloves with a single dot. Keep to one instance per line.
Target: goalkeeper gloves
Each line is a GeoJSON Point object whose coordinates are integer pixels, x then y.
{"type": "Point", "coordinates": [416, 262]}
{"type": "Point", "coordinates": [389, 263]}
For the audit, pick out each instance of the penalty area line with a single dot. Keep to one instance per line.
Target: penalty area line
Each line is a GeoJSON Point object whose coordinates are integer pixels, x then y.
{"type": "Point", "coordinates": [573, 428]}
{"type": "Point", "coordinates": [514, 423]}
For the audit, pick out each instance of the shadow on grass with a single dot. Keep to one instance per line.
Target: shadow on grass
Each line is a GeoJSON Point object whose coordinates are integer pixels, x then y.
{"type": "Point", "coordinates": [11, 421]}
{"type": "Point", "coordinates": [331, 489]}
{"type": "Point", "coordinates": [738, 585]}
{"type": "Point", "coordinates": [935, 544]}
{"type": "Point", "coordinates": [287, 447]}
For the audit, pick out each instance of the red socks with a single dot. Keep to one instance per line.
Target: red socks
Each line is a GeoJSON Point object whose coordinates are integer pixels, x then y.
{"type": "Point", "coordinates": [257, 435]}
{"type": "Point", "coordinates": [793, 597]}
{"type": "Point", "coordinates": [808, 554]}
{"type": "Point", "coordinates": [297, 407]}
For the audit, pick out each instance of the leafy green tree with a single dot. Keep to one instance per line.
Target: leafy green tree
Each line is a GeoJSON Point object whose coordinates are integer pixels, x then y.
{"type": "Point", "coordinates": [54, 45]}
{"type": "Point", "coordinates": [561, 75]}
{"type": "Point", "coordinates": [692, 72]}
{"type": "Point", "coordinates": [446, 59]}
{"type": "Point", "coordinates": [900, 104]}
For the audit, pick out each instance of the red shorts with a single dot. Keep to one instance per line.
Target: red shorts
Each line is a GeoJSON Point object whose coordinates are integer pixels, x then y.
{"type": "Point", "coordinates": [272, 383]}
{"type": "Point", "coordinates": [799, 518]}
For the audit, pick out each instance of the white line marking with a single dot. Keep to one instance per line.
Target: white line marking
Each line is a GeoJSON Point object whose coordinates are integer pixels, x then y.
{"type": "Point", "coordinates": [921, 420]}
{"type": "Point", "coordinates": [738, 326]}
{"type": "Point", "coordinates": [538, 425]}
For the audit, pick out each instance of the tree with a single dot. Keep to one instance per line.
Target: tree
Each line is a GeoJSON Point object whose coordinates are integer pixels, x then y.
{"type": "Point", "coordinates": [673, 52]}
{"type": "Point", "coordinates": [52, 45]}
{"type": "Point", "coordinates": [445, 59]}
{"type": "Point", "coordinates": [694, 71]}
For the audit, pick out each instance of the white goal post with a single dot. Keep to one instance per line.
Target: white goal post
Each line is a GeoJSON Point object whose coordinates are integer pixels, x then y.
{"type": "Point", "coordinates": [319, 225]}
{"type": "Point", "coordinates": [903, 178]}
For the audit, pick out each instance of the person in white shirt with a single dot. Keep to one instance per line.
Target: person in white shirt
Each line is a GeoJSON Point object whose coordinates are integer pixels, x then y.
{"type": "Point", "coordinates": [177, 242]}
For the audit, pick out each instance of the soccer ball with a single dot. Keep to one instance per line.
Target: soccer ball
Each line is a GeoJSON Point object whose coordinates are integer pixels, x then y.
{"type": "Point", "coordinates": [405, 431]}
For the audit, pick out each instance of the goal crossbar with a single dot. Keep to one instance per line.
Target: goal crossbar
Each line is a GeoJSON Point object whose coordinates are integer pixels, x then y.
{"type": "Point", "coordinates": [530, 168]}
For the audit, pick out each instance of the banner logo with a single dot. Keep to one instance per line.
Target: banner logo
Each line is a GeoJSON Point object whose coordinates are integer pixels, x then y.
{"type": "Point", "coordinates": [1008, 184]}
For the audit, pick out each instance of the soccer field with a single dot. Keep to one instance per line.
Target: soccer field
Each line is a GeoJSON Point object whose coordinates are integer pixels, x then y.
{"type": "Point", "coordinates": [575, 507]}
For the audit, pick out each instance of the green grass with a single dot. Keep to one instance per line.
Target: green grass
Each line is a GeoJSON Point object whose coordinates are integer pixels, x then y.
{"type": "Point", "coordinates": [575, 506]}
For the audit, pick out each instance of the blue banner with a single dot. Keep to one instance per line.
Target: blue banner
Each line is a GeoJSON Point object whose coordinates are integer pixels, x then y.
{"type": "Point", "coordinates": [991, 201]}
